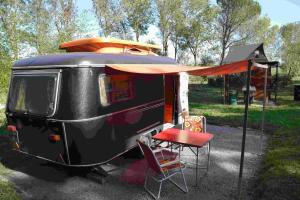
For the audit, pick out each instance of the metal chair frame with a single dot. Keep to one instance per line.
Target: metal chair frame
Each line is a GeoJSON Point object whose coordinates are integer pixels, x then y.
{"type": "Point", "coordinates": [161, 175]}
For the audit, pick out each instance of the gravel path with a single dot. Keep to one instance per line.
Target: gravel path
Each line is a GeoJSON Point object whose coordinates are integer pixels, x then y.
{"type": "Point", "coordinates": [36, 179]}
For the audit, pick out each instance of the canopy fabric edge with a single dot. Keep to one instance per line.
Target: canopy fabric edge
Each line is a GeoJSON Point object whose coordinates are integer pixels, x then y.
{"type": "Point", "coordinates": [232, 68]}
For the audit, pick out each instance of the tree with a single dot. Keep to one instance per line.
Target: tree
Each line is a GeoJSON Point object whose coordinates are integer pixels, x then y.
{"type": "Point", "coordinates": [199, 16]}
{"type": "Point", "coordinates": [12, 35]}
{"type": "Point", "coordinates": [64, 19]}
{"type": "Point", "coordinates": [166, 10]}
{"type": "Point", "coordinates": [139, 15]}
{"type": "Point", "coordinates": [177, 28]}
{"type": "Point", "coordinates": [87, 26]}
{"type": "Point", "coordinates": [291, 48]}
{"type": "Point", "coordinates": [111, 18]}
{"type": "Point", "coordinates": [269, 35]}
{"type": "Point", "coordinates": [52, 22]}
{"type": "Point", "coordinates": [5, 63]}
{"type": "Point", "coordinates": [12, 26]}
{"type": "Point", "coordinates": [33, 27]}
{"type": "Point", "coordinates": [260, 30]}
{"type": "Point", "coordinates": [233, 15]}
{"type": "Point", "coordinates": [39, 28]}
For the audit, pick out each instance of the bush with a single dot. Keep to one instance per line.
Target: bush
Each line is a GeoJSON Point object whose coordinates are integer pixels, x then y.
{"type": "Point", "coordinates": [197, 79]}
{"type": "Point", "coordinates": [283, 80]}
{"type": "Point", "coordinates": [217, 81]}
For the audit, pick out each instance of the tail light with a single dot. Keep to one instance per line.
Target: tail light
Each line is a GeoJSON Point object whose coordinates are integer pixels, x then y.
{"type": "Point", "coordinates": [11, 128]}
{"type": "Point", "coordinates": [54, 138]}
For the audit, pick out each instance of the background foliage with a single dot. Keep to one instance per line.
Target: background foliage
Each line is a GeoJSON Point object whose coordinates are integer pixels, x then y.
{"type": "Point", "coordinates": [200, 32]}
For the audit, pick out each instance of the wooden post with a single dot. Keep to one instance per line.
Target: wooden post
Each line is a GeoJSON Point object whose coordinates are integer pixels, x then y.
{"type": "Point", "coordinates": [226, 88]}
{"type": "Point", "coordinates": [276, 81]}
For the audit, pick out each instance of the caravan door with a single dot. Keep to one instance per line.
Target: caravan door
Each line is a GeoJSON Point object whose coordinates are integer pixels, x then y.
{"type": "Point", "coordinates": [170, 98]}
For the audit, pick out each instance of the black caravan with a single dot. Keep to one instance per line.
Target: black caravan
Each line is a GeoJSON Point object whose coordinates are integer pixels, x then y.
{"type": "Point", "coordinates": [73, 110]}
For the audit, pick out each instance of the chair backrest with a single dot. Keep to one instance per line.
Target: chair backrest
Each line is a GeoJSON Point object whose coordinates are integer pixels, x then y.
{"type": "Point", "coordinates": [194, 123]}
{"type": "Point", "coordinates": [146, 139]}
{"type": "Point", "coordinates": [150, 157]}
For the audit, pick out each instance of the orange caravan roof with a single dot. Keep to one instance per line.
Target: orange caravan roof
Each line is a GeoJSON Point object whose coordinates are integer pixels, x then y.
{"type": "Point", "coordinates": [109, 45]}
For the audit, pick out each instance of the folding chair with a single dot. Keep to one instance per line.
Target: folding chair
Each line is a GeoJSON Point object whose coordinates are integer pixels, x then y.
{"type": "Point", "coordinates": [161, 170]}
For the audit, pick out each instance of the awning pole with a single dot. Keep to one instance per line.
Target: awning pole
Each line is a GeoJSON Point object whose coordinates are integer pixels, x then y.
{"type": "Point", "coordinates": [244, 128]}
{"type": "Point", "coordinates": [264, 108]}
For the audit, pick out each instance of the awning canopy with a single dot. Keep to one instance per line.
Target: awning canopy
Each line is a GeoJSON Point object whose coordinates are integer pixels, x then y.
{"type": "Point", "coordinates": [232, 68]}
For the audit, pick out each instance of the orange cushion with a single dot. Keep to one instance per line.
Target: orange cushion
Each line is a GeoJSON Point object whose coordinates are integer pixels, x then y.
{"type": "Point", "coordinates": [170, 167]}
{"type": "Point", "coordinates": [193, 123]}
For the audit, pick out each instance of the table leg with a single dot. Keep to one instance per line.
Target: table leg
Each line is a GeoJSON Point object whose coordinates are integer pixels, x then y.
{"type": "Point", "coordinates": [197, 166]}
{"type": "Point", "coordinates": [208, 157]}
{"type": "Point", "coordinates": [179, 152]}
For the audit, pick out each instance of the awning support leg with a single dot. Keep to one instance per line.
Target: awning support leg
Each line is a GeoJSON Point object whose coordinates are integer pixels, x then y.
{"type": "Point", "coordinates": [263, 111]}
{"type": "Point", "coordinates": [244, 129]}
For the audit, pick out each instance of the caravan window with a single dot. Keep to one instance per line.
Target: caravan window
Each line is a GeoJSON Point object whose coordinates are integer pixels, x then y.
{"type": "Point", "coordinates": [115, 88]}
{"type": "Point", "coordinates": [33, 93]}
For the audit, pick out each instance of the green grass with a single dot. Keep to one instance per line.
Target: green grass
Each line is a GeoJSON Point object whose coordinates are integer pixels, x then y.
{"type": "Point", "coordinates": [208, 101]}
{"type": "Point", "coordinates": [280, 175]}
{"type": "Point", "coordinates": [275, 117]}
{"type": "Point", "coordinates": [7, 191]}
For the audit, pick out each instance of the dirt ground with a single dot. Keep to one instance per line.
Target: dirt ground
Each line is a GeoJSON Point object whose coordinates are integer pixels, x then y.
{"type": "Point", "coordinates": [37, 179]}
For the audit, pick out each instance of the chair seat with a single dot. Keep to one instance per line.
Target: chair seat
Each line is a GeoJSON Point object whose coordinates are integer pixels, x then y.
{"type": "Point", "coordinates": [166, 154]}
{"type": "Point", "coordinates": [176, 166]}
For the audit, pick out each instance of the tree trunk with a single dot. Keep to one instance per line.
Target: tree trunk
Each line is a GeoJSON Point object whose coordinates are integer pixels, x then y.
{"type": "Point", "coordinates": [175, 52]}
{"type": "Point", "coordinates": [222, 55]}
{"type": "Point", "coordinates": [226, 77]}
{"type": "Point", "coordinates": [137, 36]}
{"type": "Point", "coordinates": [289, 73]}
{"type": "Point", "coordinates": [195, 59]}
{"type": "Point", "coordinates": [165, 47]}
{"type": "Point", "coordinates": [226, 89]}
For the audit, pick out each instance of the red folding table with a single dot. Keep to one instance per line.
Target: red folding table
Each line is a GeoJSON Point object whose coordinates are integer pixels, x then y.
{"type": "Point", "coordinates": [186, 138]}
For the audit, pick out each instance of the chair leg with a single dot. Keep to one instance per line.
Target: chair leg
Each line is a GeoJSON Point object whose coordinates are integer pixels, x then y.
{"type": "Point", "coordinates": [186, 190]}
{"type": "Point", "coordinates": [149, 192]}
{"type": "Point", "coordinates": [153, 195]}
{"type": "Point", "coordinates": [184, 181]}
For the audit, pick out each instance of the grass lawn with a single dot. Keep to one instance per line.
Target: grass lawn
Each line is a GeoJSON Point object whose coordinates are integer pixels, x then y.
{"type": "Point", "coordinates": [7, 191]}
{"type": "Point", "coordinates": [280, 176]}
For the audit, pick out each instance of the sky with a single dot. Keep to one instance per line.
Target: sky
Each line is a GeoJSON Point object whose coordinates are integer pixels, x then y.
{"type": "Point", "coordinates": [281, 11]}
